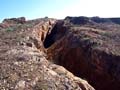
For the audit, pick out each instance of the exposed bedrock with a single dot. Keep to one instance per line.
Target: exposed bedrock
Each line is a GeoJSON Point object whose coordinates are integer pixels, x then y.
{"type": "Point", "coordinates": [23, 63]}
{"type": "Point", "coordinates": [88, 52]}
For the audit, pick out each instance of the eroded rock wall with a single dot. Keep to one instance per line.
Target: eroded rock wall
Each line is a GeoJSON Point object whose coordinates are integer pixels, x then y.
{"type": "Point", "coordinates": [23, 63]}
{"type": "Point", "coordinates": [89, 52]}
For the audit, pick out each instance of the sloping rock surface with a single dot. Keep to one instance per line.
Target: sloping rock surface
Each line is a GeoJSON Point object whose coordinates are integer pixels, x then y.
{"type": "Point", "coordinates": [89, 48]}
{"type": "Point", "coordinates": [23, 63]}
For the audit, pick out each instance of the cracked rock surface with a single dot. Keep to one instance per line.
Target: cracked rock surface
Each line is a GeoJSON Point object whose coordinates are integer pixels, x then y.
{"type": "Point", "coordinates": [23, 63]}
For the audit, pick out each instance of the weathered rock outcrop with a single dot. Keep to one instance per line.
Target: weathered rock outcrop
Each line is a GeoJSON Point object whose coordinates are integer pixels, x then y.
{"type": "Point", "coordinates": [23, 63]}
{"type": "Point", "coordinates": [15, 20]}
{"type": "Point", "coordinates": [11, 22]}
{"type": "Point", "coordinates": [89, 48]}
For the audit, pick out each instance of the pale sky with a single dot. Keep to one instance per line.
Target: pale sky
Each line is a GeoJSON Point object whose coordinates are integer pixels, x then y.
{"type": "Point", "coordinates": [102, 8]}
{"type": "Point", "coordinates": [32, 9]}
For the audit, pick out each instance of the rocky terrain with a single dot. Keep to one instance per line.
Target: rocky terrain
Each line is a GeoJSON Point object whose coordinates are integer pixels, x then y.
{"type": "Point", "coordinates": [89, 48]}
{"type": "Point", "coordinates": [77, 53]}
{"type": "Point", "coordinates": [23, 58]}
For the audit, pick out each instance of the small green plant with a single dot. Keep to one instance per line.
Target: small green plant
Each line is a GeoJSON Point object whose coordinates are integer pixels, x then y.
{"type": "Point", "coordinates": [12, 28]}
{"type": "Point", "coordinates": [9, 29]}
{"type": "Point", "coordinates": [27, 25]}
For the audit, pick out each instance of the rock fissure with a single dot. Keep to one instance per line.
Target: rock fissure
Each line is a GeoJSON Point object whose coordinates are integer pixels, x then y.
{"type": "Point", "coordinates": [23, 62]}
{"type": "Point", "coordinates": [81, 50]}
{"type": "Point", "coordinates": [53, 34]}
{"type": "Point", "coordinates": [33, 54]}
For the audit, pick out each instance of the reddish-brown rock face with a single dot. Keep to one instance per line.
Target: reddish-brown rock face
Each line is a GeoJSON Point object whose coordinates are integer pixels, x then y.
{"type": "Point", "coordinates": [87, 47]}
{"type": "Point", "coordinates": [89, 50]}
{"type": "Point", "coordinates": [23, 63]}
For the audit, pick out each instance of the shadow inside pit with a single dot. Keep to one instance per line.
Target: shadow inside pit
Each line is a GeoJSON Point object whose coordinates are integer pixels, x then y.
{"type": "Point", "coordinates": [56, 33]}
{"type": "Point", "coordinates": [49, 40]}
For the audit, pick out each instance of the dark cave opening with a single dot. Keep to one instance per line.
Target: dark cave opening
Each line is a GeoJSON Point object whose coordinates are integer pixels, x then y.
{"type": "Point", "coordinates": [49, 40]}
{"type": "Point", "coordinates": [55, 34]}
